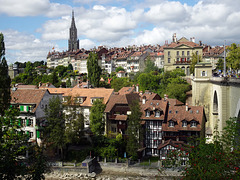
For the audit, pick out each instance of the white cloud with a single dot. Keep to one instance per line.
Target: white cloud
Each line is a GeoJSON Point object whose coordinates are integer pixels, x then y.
{"type": "Point", "coordinates": [24, 47]}
{"type": "Point", "coordinates": [33, 8]}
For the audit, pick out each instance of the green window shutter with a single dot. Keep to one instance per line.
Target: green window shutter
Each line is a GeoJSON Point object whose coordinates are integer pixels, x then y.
{"type": "Point", "coordinates": [27, 124]}
{"type": "Point", "coordinates": [11, 106]}
{"type": "Point", "coordinates": [27, 108]}
{"type": "Point", "coordinates": [38, 134]}
{"type": "Point", "coordinates": [21, 108]}
{"type": "Point", "coordinates": [27, 133]}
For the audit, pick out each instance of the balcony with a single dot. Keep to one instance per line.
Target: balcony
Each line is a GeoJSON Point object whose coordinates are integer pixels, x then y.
{"type": "Point", "coordinates": [183, 62]}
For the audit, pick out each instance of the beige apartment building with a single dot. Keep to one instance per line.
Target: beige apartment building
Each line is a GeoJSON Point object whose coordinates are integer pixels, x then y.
{"type": "Point", "coordinates": [178, 54]}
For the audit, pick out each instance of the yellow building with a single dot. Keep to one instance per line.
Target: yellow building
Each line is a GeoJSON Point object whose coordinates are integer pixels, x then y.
{"type": "Point", "coordinates": [178, 54]}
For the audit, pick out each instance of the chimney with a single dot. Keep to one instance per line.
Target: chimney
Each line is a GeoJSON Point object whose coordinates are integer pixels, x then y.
{"type": "Point", "coordinates": [137, 88]}
{"type": "Point", "coordinates": [144, 100]}
{"type": "Point", "coordinates": [193, 39]}
{"type": "Point", "coordinates": [186, 106]}
{"type": "Point", "coordinates": [174, 38]}
{"type": "Point", "coordinates": [165, 97]}
{"type": "Point", "coordinates": [200, 43]}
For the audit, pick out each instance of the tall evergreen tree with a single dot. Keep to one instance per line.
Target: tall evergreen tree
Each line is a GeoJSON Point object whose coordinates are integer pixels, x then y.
{"type": "Point", "coordinates": [94, 70]}
{"type": "Point", "coordinates": [134, 130]}
{"type": "Point", "coordinates": [96, 117]}
{"type": "Point", "coordinates": [5, 80]}
{"type": "Point", "coordinates": [54, 132]}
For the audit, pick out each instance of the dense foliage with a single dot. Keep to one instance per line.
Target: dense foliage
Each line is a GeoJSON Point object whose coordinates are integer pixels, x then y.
{"type": "Point", "coordinates": [194, 60]}
{"type": "Point", "coordinates": [134, 130]}
{"type": "Point", "coordinates": [216, 160]}
{"type": "Point", "coordinates": [5, 80]}
{"type": "Point", "coordinates": [94, 70]}
{"type": "Point", "coordinates": [233, 56]}
{"type": "Point", "coordinates": [97, 123]}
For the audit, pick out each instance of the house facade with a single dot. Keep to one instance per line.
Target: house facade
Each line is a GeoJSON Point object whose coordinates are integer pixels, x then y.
{"type": "Point", "coordinates": [178, 54]}
{"type": "Point", "coordinates": [31, 103]}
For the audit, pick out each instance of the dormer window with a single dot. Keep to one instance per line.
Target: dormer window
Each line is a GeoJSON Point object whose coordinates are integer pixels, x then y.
{"type": "Point", "coordinates": [193, 124]}
{"type": "Point", "coordinates": [157, 113]}
{"type": "Point", "coordinates": [184, 123]}
{"type": "Point", "coordinates": [171, 124]}
{"type": "Point", "coordinates": [147, 113]}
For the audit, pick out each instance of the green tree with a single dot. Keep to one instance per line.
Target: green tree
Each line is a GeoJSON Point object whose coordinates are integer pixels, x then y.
{"type": "Point", "coordinates": [194, 60]}
{"type": "Point", "coordinates": [233, 56]}
{"type": "Point", "coordinates": [94, 70]}
{"type": "Point", "coordinates": [60, 70]}
{"type": "Point", "coordinates": [149, 65]}
{"type": "Point", "coordinates": [134, 130]}
{"type": "Point", "coordinates": [5, 80]}
{"type": "Point", "coordinates": [74, 122]}
{"type": "Point", "coordinates": [54, 132]}
{"type": "Point", "coordinates": [118, 83]}
{"type": "Point", "coordinates": [97, 123]}
{"type": "Point", "coordinates": [28, 69]}
{"type": "Point", "coordinates": [70, 67]}
{"type": "Point", "coordinates": [120, 68]}
{"type": "Point", "coordinates": [13, 144]}
{"type": "Point", "coordinates": [220, 64]}
{"type": "Point", "coordinates": [216, 160]}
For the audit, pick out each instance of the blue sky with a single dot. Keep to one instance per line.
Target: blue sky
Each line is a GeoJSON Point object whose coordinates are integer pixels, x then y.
{"type": "Point", "coordinates": [32, 27]}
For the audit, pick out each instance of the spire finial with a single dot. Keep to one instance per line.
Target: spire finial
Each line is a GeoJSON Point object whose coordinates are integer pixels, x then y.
{"type": "Point", "coordinates": [72, 13]}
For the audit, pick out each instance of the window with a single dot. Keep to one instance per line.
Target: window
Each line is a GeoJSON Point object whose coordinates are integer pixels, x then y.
{"type": "Point", "coordinates": [171, 124]}
{"type": "Point", "coordinates": [147, 113]}
{"type": "Point", "coordinates": [177, 59]}
{"type": "Point", "coordinates": [203, 73]}
{"type": "Point", "coordinates": [157, 114]}
{"type": "Point", "coordinates": [169, 60]}
{"type": "Point", "coordinates": [182, 53]}
{"type": "Point", "coordinates": [168, 53]}
{"type": "Point", "coordinates": [193, 124]}
{"type": "Point", "coordinates": [188, 53]}
{"type": "Point", "coordinates": [30, 122]}
{"type": "Point", "coordinates": [196, 52]}
{"type": "Point", "coordinates": [184, 123]}
{"type": "Point", "coordinates": [177, 53]}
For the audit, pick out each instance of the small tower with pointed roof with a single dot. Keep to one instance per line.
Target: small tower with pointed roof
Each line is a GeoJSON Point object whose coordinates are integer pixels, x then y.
{"type": "Point", "coordinates": [73, 42]}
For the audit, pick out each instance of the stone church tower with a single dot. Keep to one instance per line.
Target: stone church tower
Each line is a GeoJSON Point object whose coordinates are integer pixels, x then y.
{"type": "Point", "coordinates": [73, 42]}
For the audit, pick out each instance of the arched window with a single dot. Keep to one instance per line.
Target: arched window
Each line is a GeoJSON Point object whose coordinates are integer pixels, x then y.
{"type": "Point", "coordinates": [147, 113]}
{"type": "Point", "coordinates": [157, 114]}
{"type": "Point", "coordinates": [184, 123]}
{"type": "Point", "coordinates": [171, 124]}
{"type": "Point", "coordinates": [193, 124]}
{"type": "Point", "coordinates": [215, 103]}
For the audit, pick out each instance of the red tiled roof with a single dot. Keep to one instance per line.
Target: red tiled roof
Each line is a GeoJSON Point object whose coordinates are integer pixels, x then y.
{"type": "Point", "coordinates": [28, 96]}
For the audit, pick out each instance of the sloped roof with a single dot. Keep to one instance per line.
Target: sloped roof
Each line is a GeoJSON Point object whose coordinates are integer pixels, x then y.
{"type": "Point", "coordinates": [90, 93]}
{"type": "Point", "coordinates": [180, 113]}
{"type": "Point", "coordinates": [121, 99]}
{"type": "Point", "coordinates": [126, 90]}
{"type": "Point", "coordinates": [28, 96]}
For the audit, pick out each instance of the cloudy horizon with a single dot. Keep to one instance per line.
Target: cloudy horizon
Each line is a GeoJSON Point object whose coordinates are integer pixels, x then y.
{"type": "Point", "coordinates": [32, 28]}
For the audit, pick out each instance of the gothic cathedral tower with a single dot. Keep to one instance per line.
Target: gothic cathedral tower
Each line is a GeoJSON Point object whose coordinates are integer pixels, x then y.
{"type": "Point", "coordinates": [73, 42]}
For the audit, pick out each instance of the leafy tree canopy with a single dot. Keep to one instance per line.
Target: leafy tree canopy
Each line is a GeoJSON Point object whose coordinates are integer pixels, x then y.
{"type": "Point", "coordinates": [97, 124]}
{"type": "Point", "coordinates": [149, 65]}
{"type": "Point", "coordinates": [94, 70]}
{"type": "Point", "coordinates": [194, 60]}
{"type": "Point", "coordinates": [233, 56]}
{"type": "Point", "coordinates": [120, 68]}
{"type": "Point", "coordinates": [118, 83]}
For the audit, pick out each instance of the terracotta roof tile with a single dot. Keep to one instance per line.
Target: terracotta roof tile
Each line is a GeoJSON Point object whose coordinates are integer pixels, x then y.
{"type": "Point", "coordinates": [28, 96]}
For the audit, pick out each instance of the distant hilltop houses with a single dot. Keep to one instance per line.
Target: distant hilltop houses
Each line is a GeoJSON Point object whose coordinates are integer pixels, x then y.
{"type": "Point", "coordinates": [177, 54]}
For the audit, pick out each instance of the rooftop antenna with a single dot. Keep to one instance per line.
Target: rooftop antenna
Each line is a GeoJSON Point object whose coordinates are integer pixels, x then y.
{"type": "Point", "coordinates": [224, 66]}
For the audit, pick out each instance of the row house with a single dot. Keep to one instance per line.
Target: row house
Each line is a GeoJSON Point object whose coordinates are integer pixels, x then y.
{"type": "Point", "coordinates": [82, 99]}
{"type": "Point", "coordinates": [163, 120]}
{"type": "Point", "coordinates": [136, 62]}
{"type": "Point", "coordinates": [212, 55]}
{"type": "Point", "coordinates": [31, 103]}
{"type": "Point", "coordinates": [117, 111]}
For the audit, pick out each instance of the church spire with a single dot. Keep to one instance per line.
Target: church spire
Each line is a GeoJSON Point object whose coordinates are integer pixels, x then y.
{"type": "Point", "coordinates": [73, 42]}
